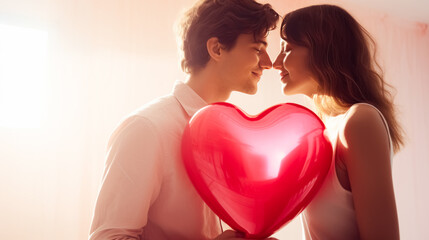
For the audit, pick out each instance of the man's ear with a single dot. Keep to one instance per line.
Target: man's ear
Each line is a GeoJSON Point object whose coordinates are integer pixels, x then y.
{"type": "Point", "coordinates": [214, 48]}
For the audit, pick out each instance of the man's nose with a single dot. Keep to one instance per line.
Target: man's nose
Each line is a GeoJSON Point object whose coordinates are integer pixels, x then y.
{"type": "Point", "coordinates": [265, 61]}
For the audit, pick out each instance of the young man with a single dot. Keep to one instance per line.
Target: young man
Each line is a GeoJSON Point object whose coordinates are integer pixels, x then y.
{"type": "Point", "coordinates": [146, 193]}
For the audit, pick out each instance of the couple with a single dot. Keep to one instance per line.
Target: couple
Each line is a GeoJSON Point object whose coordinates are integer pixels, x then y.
{"type": "Point", "coordinates": [146, 194]}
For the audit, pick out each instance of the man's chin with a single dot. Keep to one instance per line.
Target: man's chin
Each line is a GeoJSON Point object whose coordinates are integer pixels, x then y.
{"type": "Point", "coordinates": [251, 91]}
{"type": "Point", "coordinates": [248, 89]}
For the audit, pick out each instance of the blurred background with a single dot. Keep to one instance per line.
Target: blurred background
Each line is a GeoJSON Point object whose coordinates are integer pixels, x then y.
{"type": "Point", "coordinates": [71, 70]}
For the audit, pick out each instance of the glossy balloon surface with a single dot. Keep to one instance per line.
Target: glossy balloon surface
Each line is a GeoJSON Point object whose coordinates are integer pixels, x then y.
{"type": "Point", "coordinates": [256, 172]}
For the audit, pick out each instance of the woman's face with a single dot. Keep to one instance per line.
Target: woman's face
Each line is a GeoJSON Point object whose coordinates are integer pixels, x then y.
{"type": "Point", "coordinates": [295, 73]}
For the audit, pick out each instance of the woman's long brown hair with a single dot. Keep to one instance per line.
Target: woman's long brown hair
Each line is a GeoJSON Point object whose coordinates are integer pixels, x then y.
{"type": "Point", "coordinates": [342, 57]}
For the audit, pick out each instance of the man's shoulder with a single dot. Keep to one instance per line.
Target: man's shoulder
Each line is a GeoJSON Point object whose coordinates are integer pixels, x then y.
{"type": "Point", "coordinates": [158, 107]}
{"type": "Point", "coordinates": [161, 113]}
{"type": "Point", "coordinates": [155, 116]}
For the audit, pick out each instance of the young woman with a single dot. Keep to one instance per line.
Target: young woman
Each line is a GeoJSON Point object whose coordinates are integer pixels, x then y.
{"type": "Point", "coordinates": [328, 56]}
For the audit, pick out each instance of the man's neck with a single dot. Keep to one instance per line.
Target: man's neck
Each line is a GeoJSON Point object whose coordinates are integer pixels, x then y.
{"type": "Point", "coordinates": [207, 85]}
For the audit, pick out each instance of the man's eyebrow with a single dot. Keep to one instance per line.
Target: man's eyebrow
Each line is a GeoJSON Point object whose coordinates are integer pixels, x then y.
{"type": "Point", "coordinates": [262, 41]}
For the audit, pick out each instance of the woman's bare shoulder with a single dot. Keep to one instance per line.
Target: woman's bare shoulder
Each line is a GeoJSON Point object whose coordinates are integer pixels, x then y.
{"type": "Point", "coordinates": [363, 128]}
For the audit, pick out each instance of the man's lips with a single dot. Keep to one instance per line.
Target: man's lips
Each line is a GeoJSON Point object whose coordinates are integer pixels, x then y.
{"type": "Point", "coordinates": [257, 74]}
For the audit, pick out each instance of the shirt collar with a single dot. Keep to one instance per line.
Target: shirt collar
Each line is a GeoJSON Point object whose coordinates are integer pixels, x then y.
{"type": "Point", "coordinates": [188, 98]}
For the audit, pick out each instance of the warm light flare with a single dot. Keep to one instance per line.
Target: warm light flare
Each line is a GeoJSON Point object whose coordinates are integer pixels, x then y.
{"type": "Point", "coordinates": [23, 63]}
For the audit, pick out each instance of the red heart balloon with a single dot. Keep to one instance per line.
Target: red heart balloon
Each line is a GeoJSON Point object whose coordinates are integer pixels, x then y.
{"type": "Point", "coordinates": [256, 173]}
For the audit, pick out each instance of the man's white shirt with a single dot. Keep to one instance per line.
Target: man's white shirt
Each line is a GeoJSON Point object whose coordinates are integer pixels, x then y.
{"type": "Point", "coordinates": [145, 192]}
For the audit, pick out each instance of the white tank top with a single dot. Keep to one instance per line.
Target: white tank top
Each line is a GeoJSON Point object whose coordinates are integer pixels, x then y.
{"type": "Point", "coordinates": [331, 214]}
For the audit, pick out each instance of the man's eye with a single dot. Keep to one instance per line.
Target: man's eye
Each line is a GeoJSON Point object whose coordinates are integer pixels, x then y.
{"type": "Point", "coordinates": [257, 50]}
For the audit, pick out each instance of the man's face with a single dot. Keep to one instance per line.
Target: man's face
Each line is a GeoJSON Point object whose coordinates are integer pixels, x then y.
{"type": "Point", "coordinates": [242, 66]}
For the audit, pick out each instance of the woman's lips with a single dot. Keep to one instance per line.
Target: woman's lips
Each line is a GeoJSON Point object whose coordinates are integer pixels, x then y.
{"type": "Point", "coordinates": [283, 75]}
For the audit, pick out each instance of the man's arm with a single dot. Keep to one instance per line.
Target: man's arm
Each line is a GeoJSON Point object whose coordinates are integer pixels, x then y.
{"type": "Point", "coordinates": [131, 181]}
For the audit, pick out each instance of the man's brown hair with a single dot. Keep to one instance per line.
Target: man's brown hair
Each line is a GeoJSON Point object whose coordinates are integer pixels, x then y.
{"type": "Point", "coordinates": [224, 19]}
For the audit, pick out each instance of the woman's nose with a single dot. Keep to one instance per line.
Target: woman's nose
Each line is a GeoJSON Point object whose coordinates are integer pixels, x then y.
{"type": "Point", "coordinates": [278, 63]}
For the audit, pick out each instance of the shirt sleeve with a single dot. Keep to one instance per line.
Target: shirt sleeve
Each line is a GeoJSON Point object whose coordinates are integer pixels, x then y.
{"type": "Point", "coordinates": [131, 181]}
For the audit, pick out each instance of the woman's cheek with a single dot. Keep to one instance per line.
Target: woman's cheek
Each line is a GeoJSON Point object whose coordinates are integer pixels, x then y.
{"type": "Point", "coordinates": [288, 63]}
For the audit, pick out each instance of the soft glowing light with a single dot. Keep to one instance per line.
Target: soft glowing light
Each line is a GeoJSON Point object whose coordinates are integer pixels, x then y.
{"type": "Point", "coordinates": [23, 63]}
{"type": "Point", "coordinates": [275, 152]}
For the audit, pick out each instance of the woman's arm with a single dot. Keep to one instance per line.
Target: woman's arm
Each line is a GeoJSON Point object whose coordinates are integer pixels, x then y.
{"type": "Point", "coordinates": [364, 147]}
